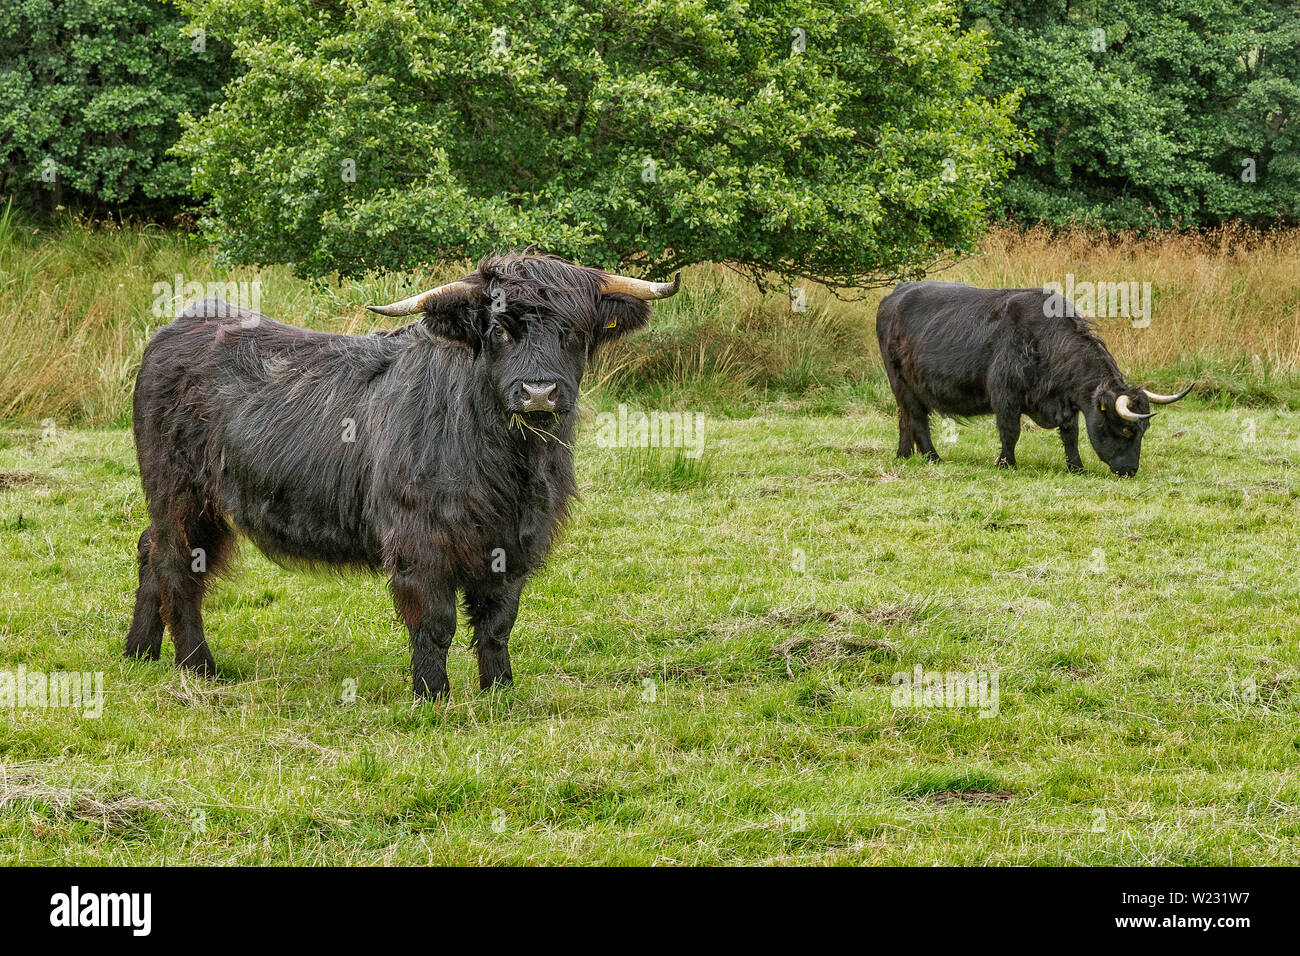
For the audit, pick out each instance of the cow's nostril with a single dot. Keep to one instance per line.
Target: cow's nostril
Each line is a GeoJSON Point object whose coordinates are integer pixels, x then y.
{"type": "Point", "coordinates": [538, 397]}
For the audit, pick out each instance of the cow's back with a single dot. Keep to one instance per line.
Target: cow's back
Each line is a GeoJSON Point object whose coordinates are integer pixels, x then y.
{"type": "Point", "coordinates": [265, 423]}
{"type": "Point", "coordinates": [945, 339]}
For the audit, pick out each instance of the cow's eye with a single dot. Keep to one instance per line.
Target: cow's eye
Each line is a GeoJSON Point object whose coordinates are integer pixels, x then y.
{"type": "Point", "coordinates": [499, 331]}
{"type": "Point", "coordinates": [1128, 433]}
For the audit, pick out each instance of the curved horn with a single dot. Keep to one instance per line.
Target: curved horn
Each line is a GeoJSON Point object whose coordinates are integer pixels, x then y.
{"type": "Point", "coordinates": [1155, 399]}
{"type": "Point", "coordinates": [640, 287]}
{"type": "Point", "coordinates": [418, 303]}
{"type": "Point", "coordinates": [1126, 413]}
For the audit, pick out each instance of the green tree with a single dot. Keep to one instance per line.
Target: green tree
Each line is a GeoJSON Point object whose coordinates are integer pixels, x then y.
{"type": "Point", "coordinates": [1150, 113]}
{"type": "Point", "coordinates": [90, 92]}
{"type": "Point", "coordinates": [842, 143]}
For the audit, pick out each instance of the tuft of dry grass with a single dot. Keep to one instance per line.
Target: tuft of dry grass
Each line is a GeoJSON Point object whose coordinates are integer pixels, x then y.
{"type": "Point", "coordinates": [119, 812]}
{"type": "Point", "coordinates": [11, 479]}
{"type": "Point", "coordinates": [722, 337]}
{"type": "Point", "coordinates": [977, 797]}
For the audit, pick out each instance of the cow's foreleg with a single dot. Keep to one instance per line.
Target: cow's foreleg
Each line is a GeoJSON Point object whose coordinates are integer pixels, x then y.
{"type": "Point", "coordinates": [1009, 431]}
{"type": "Point", "coordinates": [492, 612]}
{"type": "Point", "coordinates": [1070, 439]}
{"type": "Point", "coordinates": [427, 605]}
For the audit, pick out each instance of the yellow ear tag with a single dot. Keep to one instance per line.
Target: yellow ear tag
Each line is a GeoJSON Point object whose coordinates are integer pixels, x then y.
{"type": "Point", "coordinates": [1103, 408]}
{"type": "Point", "coordinates": [612, 323]}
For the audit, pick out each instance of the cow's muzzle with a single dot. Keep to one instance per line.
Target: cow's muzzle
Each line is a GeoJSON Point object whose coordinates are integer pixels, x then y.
{"type": "Point", "coordinates": [535, 397]}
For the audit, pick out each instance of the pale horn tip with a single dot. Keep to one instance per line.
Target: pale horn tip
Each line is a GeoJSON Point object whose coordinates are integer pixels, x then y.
{"type": "Point", "coordinates": [1157, 399]}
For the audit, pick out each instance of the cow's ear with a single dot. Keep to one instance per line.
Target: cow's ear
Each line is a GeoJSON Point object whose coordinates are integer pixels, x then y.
{"type": "Point", "coordinates": [460, 319]}
{"type": "Point", "coordinates": [1104, 399]}
{"type": "Point", "coordinates": [616, 316]}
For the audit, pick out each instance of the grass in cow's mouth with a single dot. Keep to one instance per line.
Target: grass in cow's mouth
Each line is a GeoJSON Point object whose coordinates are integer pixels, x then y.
{"type": "Point", "coordinates": [1141, 631]}
{"type": "Point", "coordinates": [532, 422]}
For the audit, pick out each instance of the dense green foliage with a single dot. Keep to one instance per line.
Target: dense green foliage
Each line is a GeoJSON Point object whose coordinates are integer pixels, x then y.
{"type": "Point", "coordinates": [843, 143]}
{"type": "Point", "coordinates": [840, 143]}
{"type": "Point", "coordinates": [89, 96]}
{"type": "Point", "coordinates": [1156, 120]}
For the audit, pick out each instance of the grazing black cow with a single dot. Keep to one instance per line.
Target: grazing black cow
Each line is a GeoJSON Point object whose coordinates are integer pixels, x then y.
{"type": "Point", "coordinates": [437, 453]}
{"type": "Point", "coordinates": [963, 351]}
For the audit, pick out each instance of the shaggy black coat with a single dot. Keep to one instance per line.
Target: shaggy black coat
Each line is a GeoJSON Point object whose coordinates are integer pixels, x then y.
{"type": "Point", "coordinates": [964, 351]}
{"type": "Point", "coordinates": [402, 452]}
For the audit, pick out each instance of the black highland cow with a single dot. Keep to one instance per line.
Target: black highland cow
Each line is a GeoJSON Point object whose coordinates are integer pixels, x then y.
{"type": "Point", "coordinates": [963, 351]}
{"type": "Point", "coordinates": [437, 453]}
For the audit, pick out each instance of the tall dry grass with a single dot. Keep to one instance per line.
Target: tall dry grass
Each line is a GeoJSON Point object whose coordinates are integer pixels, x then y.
{"type": "Point", "coordinates": [1225, 310]}
{"type": "Point", "coordinates": [1219, 298]}
{"type": "Point", "coordinates": [77, 306]}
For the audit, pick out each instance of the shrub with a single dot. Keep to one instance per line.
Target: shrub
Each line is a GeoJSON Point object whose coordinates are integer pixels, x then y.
{"type": "Point", "coordinates": [844, 143]}
{"type": "Point", "coordinates": [89, 97]}
{"type": "Point", "coordinates": [1150, 113]}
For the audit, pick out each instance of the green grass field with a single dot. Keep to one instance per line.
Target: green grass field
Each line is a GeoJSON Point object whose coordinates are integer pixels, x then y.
{"type": "Point", "coordinates": [703, 670]}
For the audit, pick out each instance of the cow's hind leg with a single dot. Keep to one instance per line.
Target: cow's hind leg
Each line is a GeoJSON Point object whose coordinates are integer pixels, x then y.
{"type": "Point", "coordinates": [144, 639]}
{"type": "Point", "coordinates": [918, 423]}
{"type": "Point", "coordinates": [906, 441]}
{"type": "Point", "coordinates": [492, 612]}
{"type": "Point", "coordinates": [921, 429]}
{"type": "Point", "coordinates": [913, 417]}
{"type": "Point", "coordinates": [186, 556]}
{"type": "Point", "coordinates": [1008, 418]}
